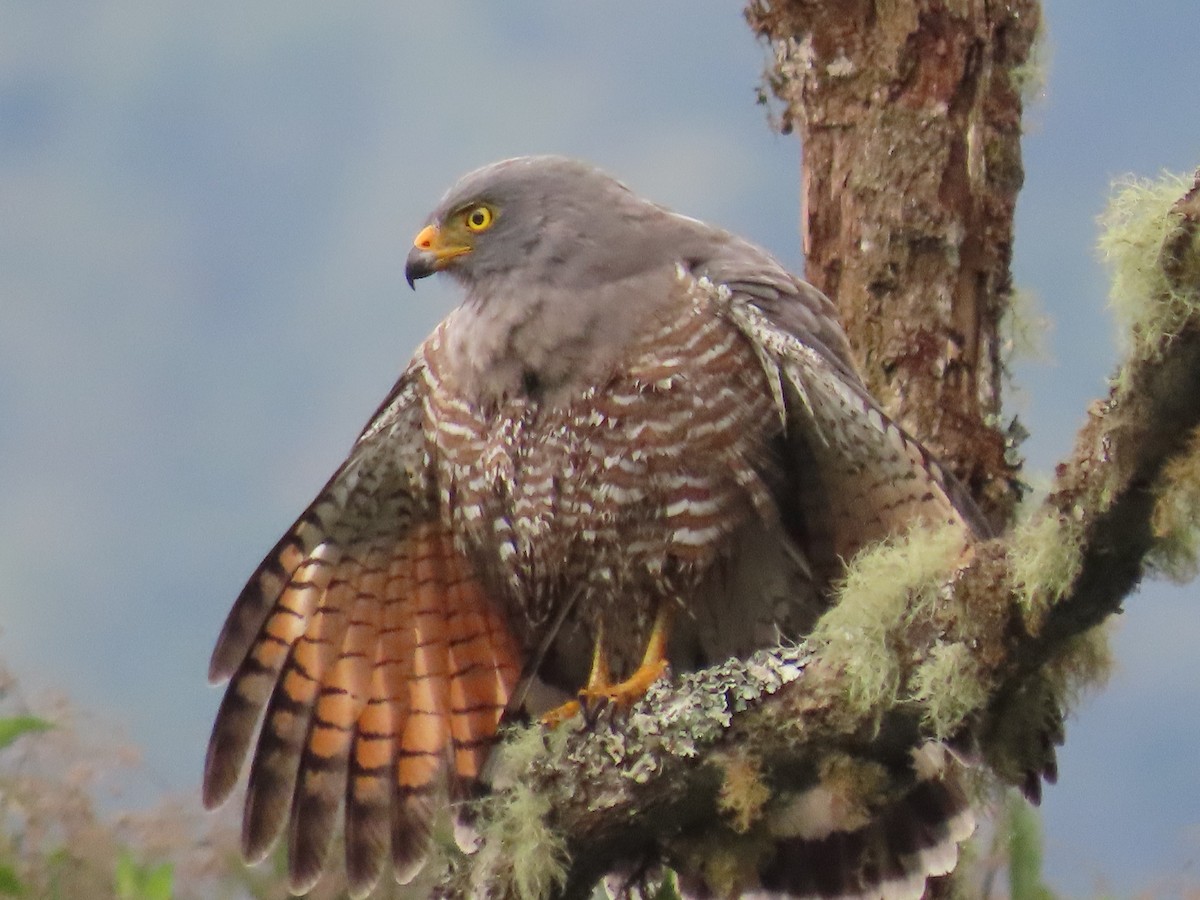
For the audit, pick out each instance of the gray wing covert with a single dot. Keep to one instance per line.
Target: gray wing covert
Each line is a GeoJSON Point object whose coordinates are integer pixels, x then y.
{"type": "Point", "coordinates": [790, 304]}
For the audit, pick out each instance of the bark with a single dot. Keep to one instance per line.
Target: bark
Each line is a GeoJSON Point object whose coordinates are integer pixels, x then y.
{"type": "Point", "coordinates": [909, 115]}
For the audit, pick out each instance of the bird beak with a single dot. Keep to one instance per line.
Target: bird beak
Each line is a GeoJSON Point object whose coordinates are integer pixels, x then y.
{"type": "Point", "coordinates": [430, 253]}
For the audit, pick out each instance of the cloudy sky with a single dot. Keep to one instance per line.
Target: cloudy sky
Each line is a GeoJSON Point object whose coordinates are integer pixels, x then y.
{"type": "Point", "coordinates": [204, 210]}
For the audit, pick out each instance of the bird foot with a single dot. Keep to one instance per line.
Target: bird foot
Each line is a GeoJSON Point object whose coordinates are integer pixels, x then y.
{"type": "Point", "coordinates": [596, 698]}
{"type": "Point", "coordinates": [601, 693]}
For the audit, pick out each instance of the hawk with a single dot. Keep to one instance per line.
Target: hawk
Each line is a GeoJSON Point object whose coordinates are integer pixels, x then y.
{"type": "Point", "coordinates": [637, 442]}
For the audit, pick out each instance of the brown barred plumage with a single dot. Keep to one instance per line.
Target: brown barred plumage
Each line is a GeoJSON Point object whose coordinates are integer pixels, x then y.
{"type": "Point", "coordinates": [654, 416]}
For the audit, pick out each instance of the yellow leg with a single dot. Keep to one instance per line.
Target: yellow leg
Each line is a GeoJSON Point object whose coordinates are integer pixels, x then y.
{"type": "Point", "coordinates": [598, 679]}
{"type": "Point", "coordinates": [555, 717]}
{"type": "Point", "coordinates": [601, 692]}
{"type": "Point", "coordinates": [652, 668]}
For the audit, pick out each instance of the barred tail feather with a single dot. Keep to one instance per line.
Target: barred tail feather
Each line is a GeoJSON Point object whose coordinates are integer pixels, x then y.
{"type": "Point", "coordinates": [484, 667]}
{"type": "Point", "coordinates": [311, 662]}
{"type": "Point", "coordinates": [891, 857]}
{"type": "Point", "coordinates": [260, 597]}
{"type": "Point", "coordinates": [370, 787]}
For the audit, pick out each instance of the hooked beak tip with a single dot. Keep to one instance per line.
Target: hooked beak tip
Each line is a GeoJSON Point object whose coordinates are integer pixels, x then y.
{"type": "Point", "coordinates": [420, 264]}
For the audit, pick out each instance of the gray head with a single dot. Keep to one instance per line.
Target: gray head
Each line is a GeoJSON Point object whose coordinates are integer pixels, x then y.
{"type": "Point", "coordinates": [557, 220]}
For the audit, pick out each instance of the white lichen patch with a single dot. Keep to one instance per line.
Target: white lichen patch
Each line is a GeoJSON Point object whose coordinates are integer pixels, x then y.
{"type": "Point", "coordinates": [840, 66]}
{"type": "Point", "coordinates": [520, 850]}
{"type": "Point", "coordinates": [883, 589]}
{"type": "Point", "coordinates": [681, 719]}
{"type": "Point", "coordinates": [1149, 304]}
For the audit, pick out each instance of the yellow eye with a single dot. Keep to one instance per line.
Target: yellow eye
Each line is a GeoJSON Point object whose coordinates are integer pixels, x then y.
{"type": "Point", "coordinates": [479, 218]}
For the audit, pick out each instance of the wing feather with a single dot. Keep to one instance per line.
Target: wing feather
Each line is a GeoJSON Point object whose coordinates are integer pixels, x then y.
{"type": "Point", "coordinates": [363, 643]}
{"type": "Point", "coordinates": [373, 759]}
{"type": "Point", "coordinates": [863, 477]}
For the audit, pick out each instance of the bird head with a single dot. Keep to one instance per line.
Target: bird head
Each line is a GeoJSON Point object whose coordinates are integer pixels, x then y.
{"type": "Point", "coordinates": [443, 242]}
{"type": "Point", "coordinates": [549, 218]}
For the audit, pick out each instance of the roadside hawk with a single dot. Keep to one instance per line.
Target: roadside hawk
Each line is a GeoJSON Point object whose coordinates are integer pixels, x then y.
{"type": "Point", "coordinates": [638, 442]}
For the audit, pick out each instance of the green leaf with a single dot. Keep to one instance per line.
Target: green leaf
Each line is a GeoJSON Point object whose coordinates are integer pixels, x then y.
{"type": "Point", "coordinates": [10, 884]}
{"type": "Point", "coordinates": [158, 882]}
{"type": "Point", "coordinates": [126, 877]}
{"type": "Point", "coordinates": [12, 727]}
{"type": "Point", "coordinates": [668, 889]}
{"type": "Point", "coordinates": [136, 882]}
{"type": "Point", "coordinates": [1025, 852]}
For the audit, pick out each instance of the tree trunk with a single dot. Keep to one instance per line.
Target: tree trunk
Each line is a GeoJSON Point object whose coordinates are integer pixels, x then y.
{"type": "Point", "coordinates": [909, 115]}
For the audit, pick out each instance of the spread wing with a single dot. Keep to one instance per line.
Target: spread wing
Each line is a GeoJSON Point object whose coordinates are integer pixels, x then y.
{"type": "Point", "coordinates": [860, 476]}
{"type": "Point", "coordinates": [374, 658]}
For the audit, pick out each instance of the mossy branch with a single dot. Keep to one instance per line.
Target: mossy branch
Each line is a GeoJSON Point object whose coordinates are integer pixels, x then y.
{"type": "Point", "coordinates": [1114, 494]}
{"type": "Point", "coordinates": [981, 651]}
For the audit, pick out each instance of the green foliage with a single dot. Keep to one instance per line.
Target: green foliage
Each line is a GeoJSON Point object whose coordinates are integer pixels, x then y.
{"type": "Point", "coordinates": [668, 888]}
{"type": "Point", "coordinates": [10, 884]}
{"type": "Point", "coordinates": [12, 727]}
{"type": "Point", "coordinates": [1024, 836]}
{"type": "Point", "coordinates": [142, 882]}
{"type": "Point", "coordinates": [64, 835]}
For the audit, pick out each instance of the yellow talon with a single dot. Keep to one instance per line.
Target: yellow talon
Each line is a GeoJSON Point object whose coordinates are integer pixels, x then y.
{"type": "Point", "coordinates": [600, 690]}
{"type": "Point", "coordinates": [555, 717]}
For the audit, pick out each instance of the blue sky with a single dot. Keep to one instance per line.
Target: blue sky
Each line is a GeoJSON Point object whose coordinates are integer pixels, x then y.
{"type": "Point", "coordinates": [204, 211]}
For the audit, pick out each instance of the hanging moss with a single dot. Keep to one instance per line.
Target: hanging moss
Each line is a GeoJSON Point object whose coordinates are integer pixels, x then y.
{"type": "Point", "coordinates": [1045, 556]}
{"type": "Point", "coordinates": [884, 588]}
{"type": "Point", "coordinates": [1149, 303]}
{"type": "Point", "coordinates": [743, 792]}
{"type": "Point", "coordinates": [519, 849]}
{"type": "Point", "coordinates": [1176, 519]}
{"type": "Point", "coordinates": [948, 687]}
